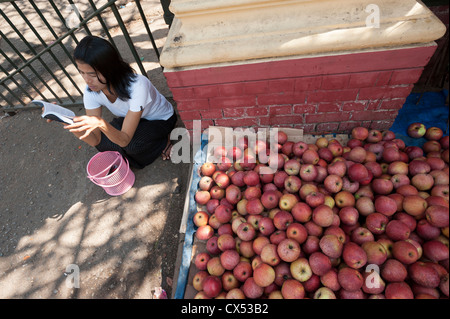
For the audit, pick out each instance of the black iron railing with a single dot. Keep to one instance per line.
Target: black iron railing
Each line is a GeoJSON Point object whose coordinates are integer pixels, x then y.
{"type": "Point", "coordinates": [37, 39]}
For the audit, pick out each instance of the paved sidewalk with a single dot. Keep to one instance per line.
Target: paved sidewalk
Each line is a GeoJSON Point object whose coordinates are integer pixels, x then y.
{"type": "Point", "coordinates": [53, 219]}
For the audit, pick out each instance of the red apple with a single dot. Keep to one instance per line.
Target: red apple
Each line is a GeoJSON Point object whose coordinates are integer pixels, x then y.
{"type": "Point", "coordinates": [337, 168]}
{"type": "Point", "coordinates": [243, 270]}
{"type": "Point", "coordinates": [416, 130]}
{"type": "Point", "coordinates": [405, 252]}
{"type": "Point", "coordinates": [324, 293]}
{"type": "Point", "coordinates": [385, 205]}
{"type": "Point", "coordinates": [376, 253]}
{"type": "Point", "coordinates": [398, 290]}
{"type": "Point", "coordinates": [204, 232]}
{"type": "Point", "coordinates": [282, 220]}
{"type": "Point", "coordinates": [424, 274]}
{"type": "Point", "coordinates": [287, 201]}
{"type": "Point", "coordinates": [299, 148]}
{"type": "Point", "coordinates": [393, 271]}
{"type": "Point", "coordinates": [254, 206]}
{"type": "Point", "coordinates": [300, 269]}
{"type": "Point", "coordinates": [437, 216]}
{"type": "Point", "coordinates": [323, 215]}
{"type": "Point", "coordinates": [350, 279]}
{"type": "Point", "coordinates": [229, 259]}
{"type": "Point", "coordinates": [201, 260]}
{"type": "Point", "coordinates": [354, 256]}
{"type": "Point", "coordinates": [292, 289]}
{"type": "Point", "coordinates": [331, 245]}
{"type": "Point", "coordinates": [264, 275]}
{"type": "Point", "coordinates": [200, 218]}
{"type": "Point", "coordinates": [360, 133]}
{"type": "Point", "coordinates": [251, 290]}
{"type": "Point", "coordinates": [197, 281]}
{"type": "Point", "coordinates": [246, 231]}
{"type": "Point", "coordinates": [202, 197]}
{"type": "Point", "coordinates": [270, 255]}
{"type": "Point", "coordinates": [360, 235]}
{"type": "Point", "coordinates": [433, 133]}
{"type": "Point", "coordinates": [435, 250]}
{"type": "Point", "coordinates": [357, 172]}
{"type": "Point", "coordinates": [301, 212]}
{"type": "Point", "coordinates": [320, 263]}
{"type": "Point", "coordinates": [310, 156]}
{"type": "Point", "coordinates": [397, 230]}
{"type": "Point", "coordinates": [292, 167]}
{"type": "Point", "coordinates": [211, 246]}
{"type": "Point", "coordinates": [308, 172]}
{"type": "Point", "coordinates": [266, 226]}
{"type": "Point", "coordinates": [214, 267]}
{"type": "Point", "coordinates": [333, 183]}
{"type": "Point", "coordinates": [315, 199]}
{"type": "Point", "coordinates": [292, 184]}
{"type": "Point", "coordinates": [348, 215]}
{"type": "Point", "coordinates": [297, 231]}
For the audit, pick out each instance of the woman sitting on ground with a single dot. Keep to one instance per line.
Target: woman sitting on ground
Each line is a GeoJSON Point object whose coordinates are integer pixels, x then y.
{"type": "Point", "coordinates": [144, 117]}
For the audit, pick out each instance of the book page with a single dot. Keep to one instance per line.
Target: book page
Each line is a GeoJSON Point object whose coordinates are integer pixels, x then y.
{"type": "Point", "coordinates": [55, 112]}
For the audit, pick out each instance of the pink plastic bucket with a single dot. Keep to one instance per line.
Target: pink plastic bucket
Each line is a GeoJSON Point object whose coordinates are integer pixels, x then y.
{"type": "Point", "coordinates": [110, 171]}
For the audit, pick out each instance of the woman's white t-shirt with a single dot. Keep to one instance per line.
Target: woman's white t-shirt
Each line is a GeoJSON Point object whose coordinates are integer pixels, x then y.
{"type": "Point", "coordinates": [143, 95]}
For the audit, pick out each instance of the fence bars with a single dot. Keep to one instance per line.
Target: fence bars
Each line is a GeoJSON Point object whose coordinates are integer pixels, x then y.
{"type": "Point", "coordinates": [26, 88]}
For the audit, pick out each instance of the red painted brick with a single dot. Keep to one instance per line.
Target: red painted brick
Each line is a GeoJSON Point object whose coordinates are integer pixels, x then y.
{"type": "Point", "coordinates": [328, 107]}
{"type": "Point", "coordinates": [257, 111]}
{"type": "Point", "coordinates": [383, 78]}
{"type": "Point", "coordinates": [386, 92]}
{"type": "Point", "coordinates": [237, 101]}
{"type": "Point", "coordinates": [282, 119]}
{"type": "Point", "coordinates": [354, 106]}
{"type": "Point", "coordinates": [241, 122]}
{"type": "Point", "coordinates": [381, 125]}
{"type": "Point", "coordinates": [182, 93]}
{"type": "Point", "coordinates": [405, 76]}
{"type": "Point", "coordinates": [189, 115]}
{"type": "Point", "coordinates": [327, 117]}
{"type": "Point", "coordinates": [375, 115]}
{"type": "Point", "coordinates": [304, 108]}
{"type": "Point", "coordinates": [282, 85]}
{"type": "Point", "coordinates": [203, 124]}
{"type": "Point", "coordinates": [281, 98]}
{"type": "Point", "coordinates": [325, 128]}
{"type": "Point", "coordinates": [206, 91]}
{"type": "Point", "coordinates": [233, 111]}
{"type": "Point", "coordinates": [186, 105]}
{"type": "Point", "coordinates": [280, 110]}
{"type": "Point", "coordinates": [306, 67]}
{"type": "Point", "coordinates": [256, 87]}
{"type": "Point", "coordinates": [211, 114]}
{"type": "Point", "coordinates": [308, 83]}
{"type": "Point", "coordinates": [231, 89]}
{"type": "Point", "coordinates": [373, 105]}
{"type": "Point", "coordinates": [332, 96]}
{"type": "Point", "coordinates": [307, 128]}
{"type": "Point", "coordinates": [347, 126]}
{"type": "Point", "coordinates": [335, 82]}
{"type": "Point", "coordinates": [394, 104]}
{"type": "Point", "coordinates": [365, 79]}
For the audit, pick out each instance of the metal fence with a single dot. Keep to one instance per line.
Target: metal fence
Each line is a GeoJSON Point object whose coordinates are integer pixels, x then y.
{"type": "Point", "coordinates": [37, 39]}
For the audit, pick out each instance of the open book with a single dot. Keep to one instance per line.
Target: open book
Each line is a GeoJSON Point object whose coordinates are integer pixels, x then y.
{"type": "Point", "coordinates": [55, 112]}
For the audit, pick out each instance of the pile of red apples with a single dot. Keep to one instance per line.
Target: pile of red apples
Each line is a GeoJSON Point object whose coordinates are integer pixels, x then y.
{"type": "Point", "coordinates": [368, 218]}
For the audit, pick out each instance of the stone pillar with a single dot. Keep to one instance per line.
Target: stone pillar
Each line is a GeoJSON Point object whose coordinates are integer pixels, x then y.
{"type": "Point", "coordinates": [323, 65]}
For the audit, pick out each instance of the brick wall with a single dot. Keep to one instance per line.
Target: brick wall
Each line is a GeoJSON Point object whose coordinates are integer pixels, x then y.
{"type": "Point", "coordinates": [317, 94]}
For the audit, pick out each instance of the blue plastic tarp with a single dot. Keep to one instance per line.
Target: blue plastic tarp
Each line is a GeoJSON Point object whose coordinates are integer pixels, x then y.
{"type": "Point", "coordinates": [428, 108]}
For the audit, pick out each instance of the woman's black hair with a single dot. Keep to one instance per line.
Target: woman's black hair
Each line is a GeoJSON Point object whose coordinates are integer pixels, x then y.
{"type": "Point", "coordinates": [104, 58]}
